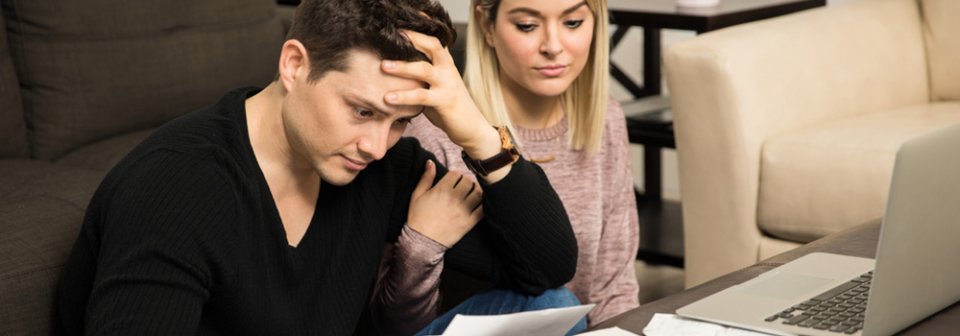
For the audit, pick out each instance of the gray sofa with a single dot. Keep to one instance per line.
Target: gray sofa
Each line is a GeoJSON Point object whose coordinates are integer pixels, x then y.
{"type": "Point", "coordinates": [83, 82]}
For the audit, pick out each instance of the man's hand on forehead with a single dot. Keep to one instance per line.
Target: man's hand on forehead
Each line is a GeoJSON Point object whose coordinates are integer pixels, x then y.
{"type": "Point", "coordinates": [441, 83]}
{"type": "Point", "coordinates": [447, 101]}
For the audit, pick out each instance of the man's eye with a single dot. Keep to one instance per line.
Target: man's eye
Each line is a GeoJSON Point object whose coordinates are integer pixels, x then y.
{"type": "Point", "coordinates": [362, 113]}
{"type": "Point", "coordinates": [526, 27]}
{"type": "Point", "coordinates": [401, 124]}
{"type": "Point", "coordinates": [573, 24]}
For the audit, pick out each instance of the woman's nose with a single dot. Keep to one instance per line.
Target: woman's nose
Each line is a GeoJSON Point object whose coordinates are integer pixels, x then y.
{"type": "Point", "coordinates": [551, 46]}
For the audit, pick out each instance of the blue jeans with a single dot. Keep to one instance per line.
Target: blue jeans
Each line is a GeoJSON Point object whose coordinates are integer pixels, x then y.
{"type": "Point", "coordinates": [501, 301]}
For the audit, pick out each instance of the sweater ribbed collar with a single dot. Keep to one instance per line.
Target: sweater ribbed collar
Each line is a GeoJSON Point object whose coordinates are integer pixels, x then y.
{"type": "Point", "coordinates": [544, 134]}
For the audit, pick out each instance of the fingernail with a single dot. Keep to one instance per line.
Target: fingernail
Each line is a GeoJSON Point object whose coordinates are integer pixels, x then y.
{"type": "Point", "coordinates": [391, 97]}
{"type": "Point", "coordinates": [389, 64]}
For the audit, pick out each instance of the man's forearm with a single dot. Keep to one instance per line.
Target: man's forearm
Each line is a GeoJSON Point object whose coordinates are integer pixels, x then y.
{"type": "Point", "coordinates": [539, 249]}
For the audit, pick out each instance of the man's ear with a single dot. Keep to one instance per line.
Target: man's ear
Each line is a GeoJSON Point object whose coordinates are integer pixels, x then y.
{"type": "Point", "coordinates": [486, 26]}
{"type": "Point", "coordinates": [294, 63]}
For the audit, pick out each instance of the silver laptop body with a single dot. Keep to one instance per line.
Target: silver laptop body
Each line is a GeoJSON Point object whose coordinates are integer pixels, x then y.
{"type": "Point", "coordinates": [916, 270]}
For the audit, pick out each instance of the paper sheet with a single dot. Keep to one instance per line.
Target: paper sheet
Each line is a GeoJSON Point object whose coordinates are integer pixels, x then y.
{"type": "Point", "coordinates": [556, 321]}
{"type": "Point", "coordinates": [608, 332]}
{"type": "Point", "coordinates": [673, 325]}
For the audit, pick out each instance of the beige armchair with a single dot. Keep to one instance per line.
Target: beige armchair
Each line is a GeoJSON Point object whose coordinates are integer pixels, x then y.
{"type": "Point", "coordinates": [787, 128]}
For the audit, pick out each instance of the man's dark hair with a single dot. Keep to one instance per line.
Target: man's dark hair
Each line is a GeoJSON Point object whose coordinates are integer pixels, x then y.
{"type": "Point", "coordinates": [330, 28]}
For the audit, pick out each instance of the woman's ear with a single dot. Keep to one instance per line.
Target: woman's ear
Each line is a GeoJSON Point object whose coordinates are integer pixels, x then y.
{"type": "Point", "coordinates": [294, 64]}
{"type": "Point", "coordinates": [486, 26]}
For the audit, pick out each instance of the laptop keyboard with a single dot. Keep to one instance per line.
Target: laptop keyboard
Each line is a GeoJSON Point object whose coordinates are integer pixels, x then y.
{"type": "Point", "coordinates": [840, 309]}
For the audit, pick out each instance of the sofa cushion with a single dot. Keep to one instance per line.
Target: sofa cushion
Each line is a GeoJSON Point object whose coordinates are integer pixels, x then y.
{"type": "Point", "coordinates": [94, 69]}
{"type": "Point", "coordinates": [13, 130]}
{"type": "Point", "coordinates": [41, 209]}
{"type": "Point", "coordinates": [103, 155]}
{"type": "Point", "coordinates": [941, 32]}
{"type": "Point", "coordinates": [823, 178]}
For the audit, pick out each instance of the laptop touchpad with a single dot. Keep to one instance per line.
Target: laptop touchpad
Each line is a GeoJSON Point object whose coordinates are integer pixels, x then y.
{"type": "Point", "coordinates": [785, 286]}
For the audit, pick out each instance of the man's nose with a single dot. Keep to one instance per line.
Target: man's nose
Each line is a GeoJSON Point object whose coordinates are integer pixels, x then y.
{"type": "Point", "coordinates": [373, 145]}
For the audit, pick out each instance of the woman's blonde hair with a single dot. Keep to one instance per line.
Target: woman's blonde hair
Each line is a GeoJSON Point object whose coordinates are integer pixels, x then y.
{"type": "Point", "coordinates": [585, 101]}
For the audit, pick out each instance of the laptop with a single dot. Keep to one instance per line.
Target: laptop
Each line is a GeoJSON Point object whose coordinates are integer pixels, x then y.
{"type": "Point", "coordinates": [914, 275]}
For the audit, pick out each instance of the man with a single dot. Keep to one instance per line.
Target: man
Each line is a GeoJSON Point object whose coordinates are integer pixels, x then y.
{"type": "Point", "coordinates": [267, 213]}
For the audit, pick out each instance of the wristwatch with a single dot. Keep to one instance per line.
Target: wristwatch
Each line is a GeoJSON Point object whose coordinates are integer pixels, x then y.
{"type": "Point", "coordinates": [508, 155]}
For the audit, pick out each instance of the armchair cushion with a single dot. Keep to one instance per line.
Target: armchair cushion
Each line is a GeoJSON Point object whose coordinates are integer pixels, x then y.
{"type": "Point", "coordinates": [827, 177]}
{"type": "Point", "coordinates": [169, 56]}
{"type": "Point", "coordinates": [942, 37]}
{"type": "Point", "coordinates": [13, 130]}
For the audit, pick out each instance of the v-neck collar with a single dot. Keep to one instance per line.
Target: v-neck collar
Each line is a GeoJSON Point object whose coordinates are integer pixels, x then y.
{"type": "Point", "coordinates": [272, 215]}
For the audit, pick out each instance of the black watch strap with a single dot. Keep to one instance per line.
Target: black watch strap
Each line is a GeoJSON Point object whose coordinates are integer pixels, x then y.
{"type": "Point", "coordinates": [508, 154]}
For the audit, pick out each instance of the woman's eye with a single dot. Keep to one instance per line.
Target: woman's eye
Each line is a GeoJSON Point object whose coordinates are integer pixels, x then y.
{"type": "Point", "coordinates": [526, 27]}
{"type": "Point", "coordinates": [573, 23]}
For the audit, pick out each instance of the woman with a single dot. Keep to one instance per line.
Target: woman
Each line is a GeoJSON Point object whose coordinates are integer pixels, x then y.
{"type": "Point", "coordinates": [540, 67]}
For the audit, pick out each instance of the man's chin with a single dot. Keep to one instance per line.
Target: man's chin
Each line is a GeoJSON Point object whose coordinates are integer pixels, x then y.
{"type": "Point", "coordinates": [341, 179]}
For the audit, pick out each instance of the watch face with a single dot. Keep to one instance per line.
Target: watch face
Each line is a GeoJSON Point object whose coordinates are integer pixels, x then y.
{"type": "Point", "coordinates": [506, 138]}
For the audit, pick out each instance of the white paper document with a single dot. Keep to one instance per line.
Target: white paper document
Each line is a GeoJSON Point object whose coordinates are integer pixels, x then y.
{"type": "Point", "coordinates": [557, 321]}
{"type": "Point", "coordinates": [608, 332]}
{"type": "Point", "coordinates": [673, 325]}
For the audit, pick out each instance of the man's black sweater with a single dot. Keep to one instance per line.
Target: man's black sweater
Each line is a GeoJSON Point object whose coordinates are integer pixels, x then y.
{"type": "Point", "coordinates": [183, 237]}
